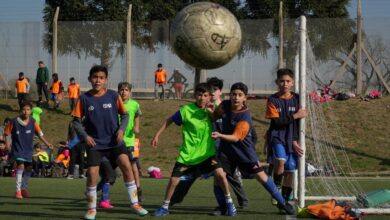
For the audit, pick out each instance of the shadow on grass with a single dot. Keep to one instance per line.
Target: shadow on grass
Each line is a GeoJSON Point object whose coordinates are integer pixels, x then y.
{"type": "Point", "coordinates": [8, 108]}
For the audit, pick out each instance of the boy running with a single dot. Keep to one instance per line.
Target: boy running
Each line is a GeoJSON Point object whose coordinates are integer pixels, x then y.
{"type": "Point", "coordinates": [134, 111]}
{"type": "Point", "coordinates": [103, 135]}
{"type": "Point", "coordinates": [197, 150]}
{"type": "Point", "coordinates": [237, 147]}
{"type": "Point", "coordinates": [22, 130]}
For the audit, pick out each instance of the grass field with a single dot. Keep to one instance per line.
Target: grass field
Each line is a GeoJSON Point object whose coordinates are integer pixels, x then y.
{"type": "Point", "coordinates": [53, 198]}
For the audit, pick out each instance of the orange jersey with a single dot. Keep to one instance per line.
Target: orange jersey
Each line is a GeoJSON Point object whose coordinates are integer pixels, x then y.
{"type": "Point", "coordinates": [22, 85]}
{"type": "Point", "coordinates": [73, 91]}
{"type": "Point", "coordinates": [137, 145]}
{"type": "Point", "coordinates": [56, 87]}
{"type": "Point", "coordinates": [160, 76]}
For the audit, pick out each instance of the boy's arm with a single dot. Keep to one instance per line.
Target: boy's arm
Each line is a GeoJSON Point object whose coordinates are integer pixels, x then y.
{"type": "Point", "coordinates": [28, 87]}
{"type": "Point", "coordinates": [164, 126]}
{"type": "Point", "coordinates": [240, 132]}
{"type": "Point", "coordinates": [7, 134]}
{"type": "Point", "coordinates": [39, 133]}
{"type": "Point", "coordinates": [79, 128]}
{"type": "Point", "coordinates": [136, 124]}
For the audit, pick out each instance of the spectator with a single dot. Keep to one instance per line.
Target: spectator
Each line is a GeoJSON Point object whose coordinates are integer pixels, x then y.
{"type": "Point", "coordinates": [22, 88]}
{"type": "Point", "coordinates": [3, 157]}
{"type": "Point", "coordinates": [42, 79]}
{"type": "Point", "coordinates": [160, 79]}
{"type": "Point", "coordinates": [40, 159]}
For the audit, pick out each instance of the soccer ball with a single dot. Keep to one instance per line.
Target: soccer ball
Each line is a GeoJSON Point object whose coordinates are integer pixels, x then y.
{"type": "Point", "coordinates": [205, 35]}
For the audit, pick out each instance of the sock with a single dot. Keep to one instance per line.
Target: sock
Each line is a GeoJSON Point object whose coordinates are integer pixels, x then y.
{"type": "Point", "coordinates": [219, 196]}
{"type": "Point", "coordinates": [132, 190]}
{"type": "Point", "coordinates": [26, 177]}
{"type": "Point", "coordinates": [278, 180]}
{"type": "Point", "coordinates": [19, 174]}
{"type": "Point", "coordinates": [273, 190]}
{"type": "Point", "coordinates": [286, 192]}
{"type": "Point", "coordinates": [91, 197]}
{"type": "Point", "coordinates": [106, 192]}
{"type": "Point", "coordinates": [228, 198]}
{"type": "Point", "coordinates": [165, 204]}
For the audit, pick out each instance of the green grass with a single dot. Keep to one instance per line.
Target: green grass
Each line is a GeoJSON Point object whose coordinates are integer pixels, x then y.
{"type": "Point", "coordinates": [53, 198]}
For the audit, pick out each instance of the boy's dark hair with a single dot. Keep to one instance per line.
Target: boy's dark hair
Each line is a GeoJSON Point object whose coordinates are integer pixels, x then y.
{"type": "Point", "coordinates": [26, 104]}
{"type": "Point", "coordinates": [284, 71]}
{"type": "Point", "coordinates": [40, 62]}
{"type": "Point", "coordinates": [21, 74]}
{"type": "Point", "coordinates": [215, 82]}
{"type": "Point", "coordinates": [98, 68]}
{"type": "Point", "coordinates": [240, 86]}
{"type": "Point", "coordinates": [37, 145]}
{"type": "Point", "coordinates": [203, 87]}
{"type": "Point", "coordinates": [159, 65]}
{"type": "Point", "coordinates": [7, 120]}
{"type": "Point", "coordinates": [125, 85]}
{"type": "Point", "coordinates": [54, 75]}
{"type": "Point", "coordinates": [71, 79]}
{"type": "Point", "coordinates": [2, 142]}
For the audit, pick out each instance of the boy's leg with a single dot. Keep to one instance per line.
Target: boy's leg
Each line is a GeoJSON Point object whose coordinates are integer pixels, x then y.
{"type": "Point", "coordinates": [238, 190]}
{"type": "Point", "coordinates": [128, 177]}
{"type": "Point", "coordinates": [19, 176]}
{"type": "Point", "coordinates": [289, 167]}
{"type": "Point", "coordinates": [178, 170]}
{"type": "Point", "coordinates": [26, 176]}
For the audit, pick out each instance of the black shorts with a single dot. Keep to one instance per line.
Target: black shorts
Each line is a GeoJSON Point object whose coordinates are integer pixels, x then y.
{"type": "Point", "coordinates": [207, 166]}
{"type": "Point", "coordinates": [94, 157]}
{"type": "Point", "coordinates": [130, 153]}
{"type": "Point", "coordinates": [229, 166]}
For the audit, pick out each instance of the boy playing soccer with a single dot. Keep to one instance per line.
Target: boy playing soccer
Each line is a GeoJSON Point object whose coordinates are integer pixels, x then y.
{"type": "Point", "coordinates": [134, 111]}
{"type": "Point", "coordinates": [22, 130]}
{"type": "Point", "coordinates": [237, 147]}
{"type": "Point", "coordinates": [284, 111]}
{"type": "Point", "coordinates": [197, 150]}
{"type": "Point", "coordinates": [103, 135]}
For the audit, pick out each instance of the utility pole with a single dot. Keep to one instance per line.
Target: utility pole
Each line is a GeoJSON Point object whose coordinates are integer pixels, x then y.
{"type": "Point", "coordinates": [280, 55]}
{"type": "Point", "coordinates": [55, 34]}
{"type": "Point", "coordinates": [359, 83]}
{"type": "Point", "coordinates": [128, 46]}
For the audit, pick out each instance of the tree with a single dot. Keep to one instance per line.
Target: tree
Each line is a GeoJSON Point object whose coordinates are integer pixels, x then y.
{"type": "Point", "coordinates": [329, 25]}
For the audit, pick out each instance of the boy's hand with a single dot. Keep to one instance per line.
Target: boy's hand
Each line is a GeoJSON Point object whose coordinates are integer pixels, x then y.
{"type": "Point", "coordinates": [50, 146]}
{"type": "Point", "coordinates": [215, 134]}
{"type": "Point", "coordinates": [154, 142]}
{"type": "Point", "coordinates": [119, 136]}
{"type": "Point", "coordinates": [136, 130]}
{"type": "Point", "coordinates": [297, 149]}
{"type": "Point", "coordinates": [301, 113]}
{"type": "Point", "coordinates": [90, 141]}
{"type": "Point", "coordinates": [210, 107]}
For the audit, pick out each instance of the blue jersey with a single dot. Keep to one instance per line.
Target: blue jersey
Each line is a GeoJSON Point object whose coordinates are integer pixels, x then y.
{"type": "Point", "coordinates": [282, 108]}
{"type": "Point", "coordinates": [101, 117]}
{"type": "Point", "coordinates": [22, 139]}
{"type": "Point", "coordinates": [244, 150]}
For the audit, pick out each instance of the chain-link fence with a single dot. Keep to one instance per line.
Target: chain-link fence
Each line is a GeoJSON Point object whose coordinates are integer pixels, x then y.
{"type": "Point", "coordinates": [83, 44]}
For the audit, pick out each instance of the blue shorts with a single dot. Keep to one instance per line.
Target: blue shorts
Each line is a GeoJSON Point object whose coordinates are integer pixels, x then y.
{"type": "Point", "coordinates": [54, 96]}
{"type": "Point", "coordinates": [291, 159]}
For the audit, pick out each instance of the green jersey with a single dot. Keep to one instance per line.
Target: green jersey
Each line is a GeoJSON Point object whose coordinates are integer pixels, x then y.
{"type": "Point", "coordinates": [197, 143]}
{"type": "Point", "coordinates": [133, 109]}
{"type": "Point", "coordinates": [36, 113]}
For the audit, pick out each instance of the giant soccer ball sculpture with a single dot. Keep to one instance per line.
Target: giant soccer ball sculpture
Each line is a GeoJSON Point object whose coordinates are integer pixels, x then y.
{"type": "Point", "coordinates": [205, 35]}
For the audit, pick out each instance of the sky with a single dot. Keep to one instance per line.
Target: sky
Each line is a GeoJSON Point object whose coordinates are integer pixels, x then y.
{"type": "Point", "coordinates": [31, 10]}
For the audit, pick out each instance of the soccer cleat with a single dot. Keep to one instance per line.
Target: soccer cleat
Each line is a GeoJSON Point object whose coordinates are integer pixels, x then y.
{"type": "Point", "coordinates": [274, 202]}
{"type": "Point", "coordinates": [105, 204]}
{"type": "Point", "coordinates": [231, 209]}
{"type": "Point", "coordinates": [70, 177]}
{"type": "Point", "coordinates": [82, 176]}
{"type": "Point", "coordinates": [161, 212]}
{"type": "Point", "coordinates": [139, 210]}
{"type": "Point", "coordinates": [25, 193]}
{"type": "Point", "coordinates": [18, 195]}
{"type": "Point", "coordinates": [288, 208]}
{"type": "Point", "coordinates": [90, 215]}
{"type": "Point", "coordinates": [218, 211]}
